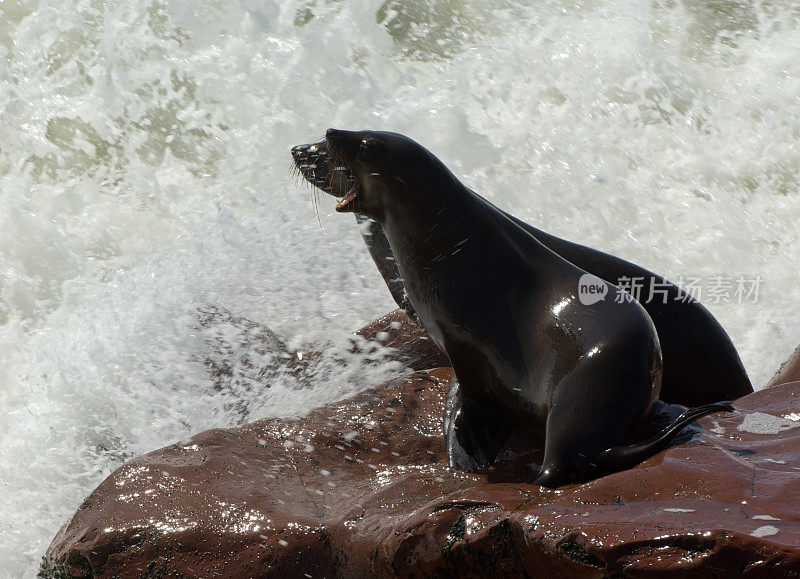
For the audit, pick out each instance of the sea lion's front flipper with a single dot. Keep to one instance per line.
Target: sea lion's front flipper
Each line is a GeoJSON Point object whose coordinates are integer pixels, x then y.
{"type": "Point", "coordinates": [378, 246]}
{"type": "Point", "coordinates": [474, 434]}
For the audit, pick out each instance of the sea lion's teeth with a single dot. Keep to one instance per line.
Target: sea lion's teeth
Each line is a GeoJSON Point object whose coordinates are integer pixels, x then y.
{"type": "Point", "coordinates": [347, 198]}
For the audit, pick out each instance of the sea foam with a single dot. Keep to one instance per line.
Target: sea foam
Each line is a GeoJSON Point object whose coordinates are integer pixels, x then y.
{"type": "Point", "coordinates": [145, 178]}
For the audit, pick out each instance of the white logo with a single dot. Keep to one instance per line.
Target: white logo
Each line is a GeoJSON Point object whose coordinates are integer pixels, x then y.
{"type": "Point", "coordinates": [591, 289]}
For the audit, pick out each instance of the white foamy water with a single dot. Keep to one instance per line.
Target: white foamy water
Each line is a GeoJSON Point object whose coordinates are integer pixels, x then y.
{"type": "Point", "coordinates": [145, 178]}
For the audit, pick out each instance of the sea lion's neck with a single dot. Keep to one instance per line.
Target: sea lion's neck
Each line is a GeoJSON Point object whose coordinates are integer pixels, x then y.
{"type": "Point", "coordinates": [421, 234]}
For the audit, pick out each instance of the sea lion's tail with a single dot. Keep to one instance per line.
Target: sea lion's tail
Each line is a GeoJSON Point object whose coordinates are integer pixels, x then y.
{"type": "Point", "coordinates": [622, 457]}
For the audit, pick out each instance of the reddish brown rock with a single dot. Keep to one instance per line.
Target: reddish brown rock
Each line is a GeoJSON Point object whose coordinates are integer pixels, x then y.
{"type": "Point", "coordinates": [360, 488]}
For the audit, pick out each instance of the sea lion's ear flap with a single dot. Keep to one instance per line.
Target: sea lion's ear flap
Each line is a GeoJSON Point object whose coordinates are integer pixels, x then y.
{"type": "Point", "coordinates": [371, 149]}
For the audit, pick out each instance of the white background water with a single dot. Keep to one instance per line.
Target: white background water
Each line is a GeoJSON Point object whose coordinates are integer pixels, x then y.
{"type": "Point", "coordinates": [145, 174]}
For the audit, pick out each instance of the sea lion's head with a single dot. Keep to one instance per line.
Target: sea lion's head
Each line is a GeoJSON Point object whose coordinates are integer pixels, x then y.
{"type": "Point", "coordinates": [367, 170]}
{"type": "Point", "coordinates": [316, 165]}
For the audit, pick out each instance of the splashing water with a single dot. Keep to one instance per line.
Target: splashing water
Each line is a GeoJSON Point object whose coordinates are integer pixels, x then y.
{"type": "Point", "coordinates": [145, 181]}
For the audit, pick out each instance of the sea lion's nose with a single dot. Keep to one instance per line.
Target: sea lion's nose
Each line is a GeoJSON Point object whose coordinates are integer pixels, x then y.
{"type": "Point", "coordinates": [312, 151]}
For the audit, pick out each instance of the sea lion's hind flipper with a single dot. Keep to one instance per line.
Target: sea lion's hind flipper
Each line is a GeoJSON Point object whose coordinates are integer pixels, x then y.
{"type": "Point", "coordinates": [474, 434]}
{"type": "Point", "coordinates": [622, 457]}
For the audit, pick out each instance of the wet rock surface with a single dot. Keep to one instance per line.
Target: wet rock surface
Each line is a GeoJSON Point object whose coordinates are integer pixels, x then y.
{"type": "Point", "coordinates": [360, 488]}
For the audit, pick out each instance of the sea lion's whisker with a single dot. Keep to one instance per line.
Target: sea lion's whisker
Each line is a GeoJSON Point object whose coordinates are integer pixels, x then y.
{"type": "Point", "coordinates": [315, 203]}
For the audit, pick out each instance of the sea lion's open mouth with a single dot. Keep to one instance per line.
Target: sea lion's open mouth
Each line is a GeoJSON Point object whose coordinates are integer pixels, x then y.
{"type": "Point", "coordinates": [326, 172]}
{"type": "Point", "coordinates": [342, 204]}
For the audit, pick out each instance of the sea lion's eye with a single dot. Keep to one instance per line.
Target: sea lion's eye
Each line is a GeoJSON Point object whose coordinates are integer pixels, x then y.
{"type": "Point", "coordinates": [370, 148]}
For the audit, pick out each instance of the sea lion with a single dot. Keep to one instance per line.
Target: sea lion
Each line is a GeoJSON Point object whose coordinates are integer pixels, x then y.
{"type": "Point", "coordinates": [701, 364]}
{"type": "Point", "coordinates": [525, 350]}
